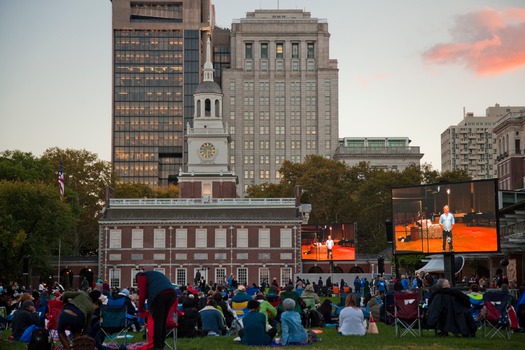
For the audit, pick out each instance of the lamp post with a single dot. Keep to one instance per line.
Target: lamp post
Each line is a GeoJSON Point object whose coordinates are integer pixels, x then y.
{"type": "Point", "coordinates": [231, 249]}
{"type": "Point", "coordinates": [171, 250]}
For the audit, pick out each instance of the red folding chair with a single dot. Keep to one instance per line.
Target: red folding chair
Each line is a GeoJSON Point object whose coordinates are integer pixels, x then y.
{"type": "Point", "coordinates": [407, 318]}
{"type": "Point", "coordinates": [54, 308]}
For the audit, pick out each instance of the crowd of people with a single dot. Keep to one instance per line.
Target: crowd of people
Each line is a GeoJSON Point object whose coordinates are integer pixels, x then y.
{"type": "Point", "coordinates": [257, 315]}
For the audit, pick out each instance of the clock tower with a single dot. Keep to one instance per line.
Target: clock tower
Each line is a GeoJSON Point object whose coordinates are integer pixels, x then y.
{"type": "Point", "coordinates": [208, 172]}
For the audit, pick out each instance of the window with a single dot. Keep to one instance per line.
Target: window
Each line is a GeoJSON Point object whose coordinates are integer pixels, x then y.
{"type": "Point", "coordinates": [248, 65]}
{"type": "Point", "coordinates": [134, 273]}
{"type": "Point", "coordinates": [264, 275]}
{"type": "Point", "coordinates": [248, 159]}
{"type": "Point", "coordinates": [264, 50]}
{"type": "Point", "coordinates": [248, 115]}
{"type": "Point", "coordinates": [279, 86]}
{"type": "Point", "coordinates": [181, 238]}
{"type": "Point", "coordinates": [248, 50]}
{"type": "Point", "coordinates": [279, 65]}
{"type": "Point", "coordinates": [264, 144]}
{"type": "Point", "coordinates": [248, 130]}
{"type": "Point", "coordinates": [114, 278]}
{"type": "Point", "coordinates": [264, 159]}
{"type": "Point", "coordinates": [137, 238]}
{"type": "Point", "coordinates": [264, 130]}
{"type": "Point", "coordinates": [279, 130]}
{"type": "Point", "coordinates": [310, 50]}
{"type": "Point", "coordinates": [286, 275]}
{"type": "Point", "coordinates": [248, 174]}
{"type": "Point", "coordinates": [248, 101]}
{"type": "Point", "coordinates": [264, 101]}
{"type": "Point", "coordinates": [201, 238]}
{"type": "Point", "coordinates": [264, 65]}
{"type": "Point", "coordinates": [242, 238]}
{"type": "Point", "coordinates": [248, 144]}
{"type": "Point", "coordinates": [220, 275]}
{"type": "Point", "coordinates": [264, 86]}
{"type": "Point", "coordinates": [295, 50]}
{"type": "Point", "coordinates": [180, 277]}
{"type": "Point", "coordinates": [232, 100]}
{"type": "Point", "coordinates": [115, 238]}
{"type": "Point", "coordinates": [295, 65]}
{"type": "Point", "coordinates": [279, 50]}
{"type": "Point", "coordinates": [232, 86]}
{"type": "Point", "coordinates": [248, 86]}
{"type": "Point", "coordinates": [242, 276]}
{"type": "Point", "coordinates": [264, 238]}
{"type": "Point", "coordinates": [279, 101]}
{"type": "Point", "coordinates": [310, 65]}
{"type": "Point", "coordinates": [220, 238]}
{"type": "Point", "coordinates": [159, 238]}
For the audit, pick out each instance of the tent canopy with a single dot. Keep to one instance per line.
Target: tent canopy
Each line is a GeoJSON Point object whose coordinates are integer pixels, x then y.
{"type": "Point", "coordinates": [436, 264]}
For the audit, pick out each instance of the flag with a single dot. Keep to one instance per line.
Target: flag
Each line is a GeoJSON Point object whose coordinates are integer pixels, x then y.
{"type": "Point", "coordinates": [61, 178]}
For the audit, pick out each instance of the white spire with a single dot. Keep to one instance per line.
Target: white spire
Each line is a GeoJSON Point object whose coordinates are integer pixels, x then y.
{"type": "Point", "coordinates": [208, 66]}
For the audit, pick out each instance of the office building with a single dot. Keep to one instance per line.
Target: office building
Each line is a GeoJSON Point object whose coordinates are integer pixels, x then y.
{"type": "Point", "coordinates": [510, 149]}
{"type": "Point", "coordinates": [388, 153]}
{"type": "Point", "coordinates": [157, 55]}
{"type": "Point", "coordinates": [280, 94]}
{"type": "Point", "coordinates": [471, 145]}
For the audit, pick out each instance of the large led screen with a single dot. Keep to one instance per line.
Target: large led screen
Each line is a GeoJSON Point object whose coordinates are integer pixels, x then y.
{"type": "Point", "coordinates": [421, 225]}
{"type": "Point", "coordinates": [314, 238]}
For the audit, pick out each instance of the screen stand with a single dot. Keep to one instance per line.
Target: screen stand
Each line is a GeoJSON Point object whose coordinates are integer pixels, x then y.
{"type": "Point", "coordinates": [448, 264]}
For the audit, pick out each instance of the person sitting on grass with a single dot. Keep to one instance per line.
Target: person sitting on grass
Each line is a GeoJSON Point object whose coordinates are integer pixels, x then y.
{"type": "Point", "coordinates": [24, 317]}
{"type": "Point", "coordinates": [212, 320]}
{"type": "Point", "coordinates": [293, 332]}
{"type": "Point", "coordinates": [326, 310]}
{"type": "Point", "coordinates": [254, 331]}
{"type": "Point", "coordinates": [351, 318]}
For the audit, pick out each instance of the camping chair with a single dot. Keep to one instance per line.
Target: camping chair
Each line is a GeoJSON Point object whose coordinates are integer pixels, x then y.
{"type": "Point", "coordinates": [495, 321]}
{"type": "Point", "coordinates": [172, 324]}
{"type": "Point", "coordinates": [240, 308]}
{"type": "Point", "coordinates": [406, 315]}
{"type": "Point", "coordinates": [114, 323]}
{"type": "Point", "coordinates": [387, 310]}
{"type": "Point", "coordinates": [4, 324]}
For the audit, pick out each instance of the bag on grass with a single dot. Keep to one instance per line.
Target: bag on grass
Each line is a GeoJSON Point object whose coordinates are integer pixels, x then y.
{"type": "Point", "coordinates": [372, 327]}
{"type": "Point", "coordinates": [40, 340]}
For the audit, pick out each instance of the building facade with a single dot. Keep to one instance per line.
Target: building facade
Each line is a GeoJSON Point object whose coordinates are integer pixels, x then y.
{"type": "Point", "coordinates": [280, 94]}
{"type": "Point", "coordinates": [509, 132]}
{"type": "Point", "coordinates": [388, 153]}
{"type": "Point", "coordinates": [157, 55]}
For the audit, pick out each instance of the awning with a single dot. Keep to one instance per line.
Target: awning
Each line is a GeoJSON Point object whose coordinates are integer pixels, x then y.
{"type": "Point", "coordinates": [436, 264]}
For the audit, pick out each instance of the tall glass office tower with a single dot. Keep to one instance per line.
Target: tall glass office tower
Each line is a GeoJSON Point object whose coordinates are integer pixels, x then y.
{"type": "Point", "coordinates": [157, 54]}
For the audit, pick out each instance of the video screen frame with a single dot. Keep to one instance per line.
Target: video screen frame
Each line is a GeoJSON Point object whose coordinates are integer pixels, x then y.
{"type": "Point", "coordinates": [417, 210]}
{"type": "Point", "coordinates": [314, 238]}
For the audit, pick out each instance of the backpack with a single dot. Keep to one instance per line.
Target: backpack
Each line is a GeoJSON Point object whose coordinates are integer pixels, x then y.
{"type": "Point", "coordinates": [40, 340]}
{"type": "Point", "coordinates": [316, 319]}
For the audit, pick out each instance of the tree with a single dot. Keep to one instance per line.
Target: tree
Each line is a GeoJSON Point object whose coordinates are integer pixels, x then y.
{"type": "Point", "coordinates": [32, 221]}
{"type": "Point", "coordinates": [21, 166]}
{"type": "Point", "coordinates": [132, 190]}
{"type": "Point", "coordinates": [86, 178]}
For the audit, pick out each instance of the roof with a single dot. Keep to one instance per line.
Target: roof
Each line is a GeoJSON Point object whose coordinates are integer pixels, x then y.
{"type": "Point", "coordinates": [208, 87]}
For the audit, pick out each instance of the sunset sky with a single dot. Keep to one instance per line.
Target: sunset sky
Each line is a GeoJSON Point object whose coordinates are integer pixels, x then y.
{"type": "Point", "coordinates": [406, 68]}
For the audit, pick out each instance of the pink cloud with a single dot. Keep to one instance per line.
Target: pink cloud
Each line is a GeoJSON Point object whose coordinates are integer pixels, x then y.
{"type": "Point", "coordinates": [366, 80]}
{"type": "Point", "coordinates": [487, 42]}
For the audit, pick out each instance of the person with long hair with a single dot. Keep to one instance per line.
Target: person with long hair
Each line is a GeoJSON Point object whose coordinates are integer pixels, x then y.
{"type": "Point", "coordinates": [351, 318]}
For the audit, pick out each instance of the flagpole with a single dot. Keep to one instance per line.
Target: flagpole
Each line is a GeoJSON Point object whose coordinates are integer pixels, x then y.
{"type": "Point", "coordinates": [59, 249]}
{"type": "Point", "coordinates": [61, 185]}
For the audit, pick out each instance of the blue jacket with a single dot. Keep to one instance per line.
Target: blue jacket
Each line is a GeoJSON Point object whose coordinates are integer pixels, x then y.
{"type": "Point", "coordinates": [255, 329]}
{"type": "Point", "coordinates": [212, 321]}
{"type": "Point", "coordinates": [292, 328]}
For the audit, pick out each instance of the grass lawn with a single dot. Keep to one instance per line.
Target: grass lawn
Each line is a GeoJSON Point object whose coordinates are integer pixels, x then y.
{"type": "Point", "coordinates": [386, 339]}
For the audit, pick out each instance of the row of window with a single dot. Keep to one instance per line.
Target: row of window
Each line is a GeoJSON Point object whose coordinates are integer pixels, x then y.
{"type": "Point", "coordinates": [280, 86]}
{"type": "Point", "coordinates": [279, 50]}
{"type": "Point", "coordinates": [201, 238]}
{"type": "Point", "coordinates": [279, 65]}
{"type": "Point", "coordinates": [153, 108]}
{"type": "Point", "coordinates": [218, 275]}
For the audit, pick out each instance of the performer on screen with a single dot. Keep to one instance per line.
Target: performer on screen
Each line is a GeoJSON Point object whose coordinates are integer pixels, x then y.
{"type": "Point", "coordinates": [329, 247]}
{"type": "Point", "coordinates": [446, 221]}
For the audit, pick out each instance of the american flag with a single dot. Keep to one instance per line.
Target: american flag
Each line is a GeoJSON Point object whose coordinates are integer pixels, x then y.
{"type": "Point", "coordinates": [61, 178]}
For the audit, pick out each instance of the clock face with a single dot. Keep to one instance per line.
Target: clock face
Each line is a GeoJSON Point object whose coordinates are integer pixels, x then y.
{"type": "Point", "coordinates": [207, 150]}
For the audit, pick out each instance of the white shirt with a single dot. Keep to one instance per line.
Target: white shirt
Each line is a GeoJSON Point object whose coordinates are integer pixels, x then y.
{"type": "Point", "coordinates": [329, 244]}
{"type": "Point", "coordinates": [351, 321]}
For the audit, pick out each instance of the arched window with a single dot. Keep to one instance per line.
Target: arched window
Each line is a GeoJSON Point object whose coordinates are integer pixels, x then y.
{"type": "Point", "coordinates": [198, 108]}
{"type": "Point", "coordinates": [217, 108]}
{"type": "Point", "coordinates": [356, 269]}
{"type": "Point", "coordinates": [315, 269]}
{"type": "Point", "coordinates": [207, 107]}
{"type": "Point", "coordinates": [337, 269]}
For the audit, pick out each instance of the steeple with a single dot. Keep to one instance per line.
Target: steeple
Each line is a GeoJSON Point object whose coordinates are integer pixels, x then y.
{"type": "Point", "coordinates": [208, 66]}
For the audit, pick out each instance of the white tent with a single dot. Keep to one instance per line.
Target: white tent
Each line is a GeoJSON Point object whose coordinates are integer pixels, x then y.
{"type": "Point", "coordinates": [436, 264]}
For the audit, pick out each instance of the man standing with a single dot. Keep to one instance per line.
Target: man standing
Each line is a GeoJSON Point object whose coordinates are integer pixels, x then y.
{"type": "Point", "coordinates": [446, 221]}
{"type": "Point", "coordinates": [329, 246]}
{"type": "Point", "coordinates": [160, 293]}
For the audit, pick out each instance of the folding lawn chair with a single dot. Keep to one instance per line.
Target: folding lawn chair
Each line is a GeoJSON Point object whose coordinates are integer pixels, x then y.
{"type": "Point", "coordinates": [496, 319]}
{"type": "Point", "coordinates": [310, 305]}
{"type": "Point", "coordinates": [406, 314]}
{"type": "Point", "coordinates": [4, 324]}
{"type": "Point", "coordinates": [172, 324]}
{"type": "Point", "coordinates": [114, 324]}
{"type": "Point", "coordinates": [240, 308]}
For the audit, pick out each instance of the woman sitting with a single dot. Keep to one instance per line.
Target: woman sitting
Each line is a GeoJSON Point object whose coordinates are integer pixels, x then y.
{"type": "Point", "coordinates": [212, 320]}
{"type": "Point", "coordinates": [292, 328]}
{"type": "Point", "coordinates": [254, 331]}
{"type": "Point", "coordinates": [351, 318]}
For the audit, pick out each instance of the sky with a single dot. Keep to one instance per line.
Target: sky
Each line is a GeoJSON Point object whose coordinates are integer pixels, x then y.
{"type": "Point", "coordinates": [407, 68]}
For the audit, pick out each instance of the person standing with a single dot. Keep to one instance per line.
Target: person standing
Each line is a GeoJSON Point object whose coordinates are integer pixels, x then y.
{"type": "Point", "coordinates": [329, 247]}
{"type": "Point", "coordinates": [446, 221]}
{"type": "Point", "coordinates": [158, 290]}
